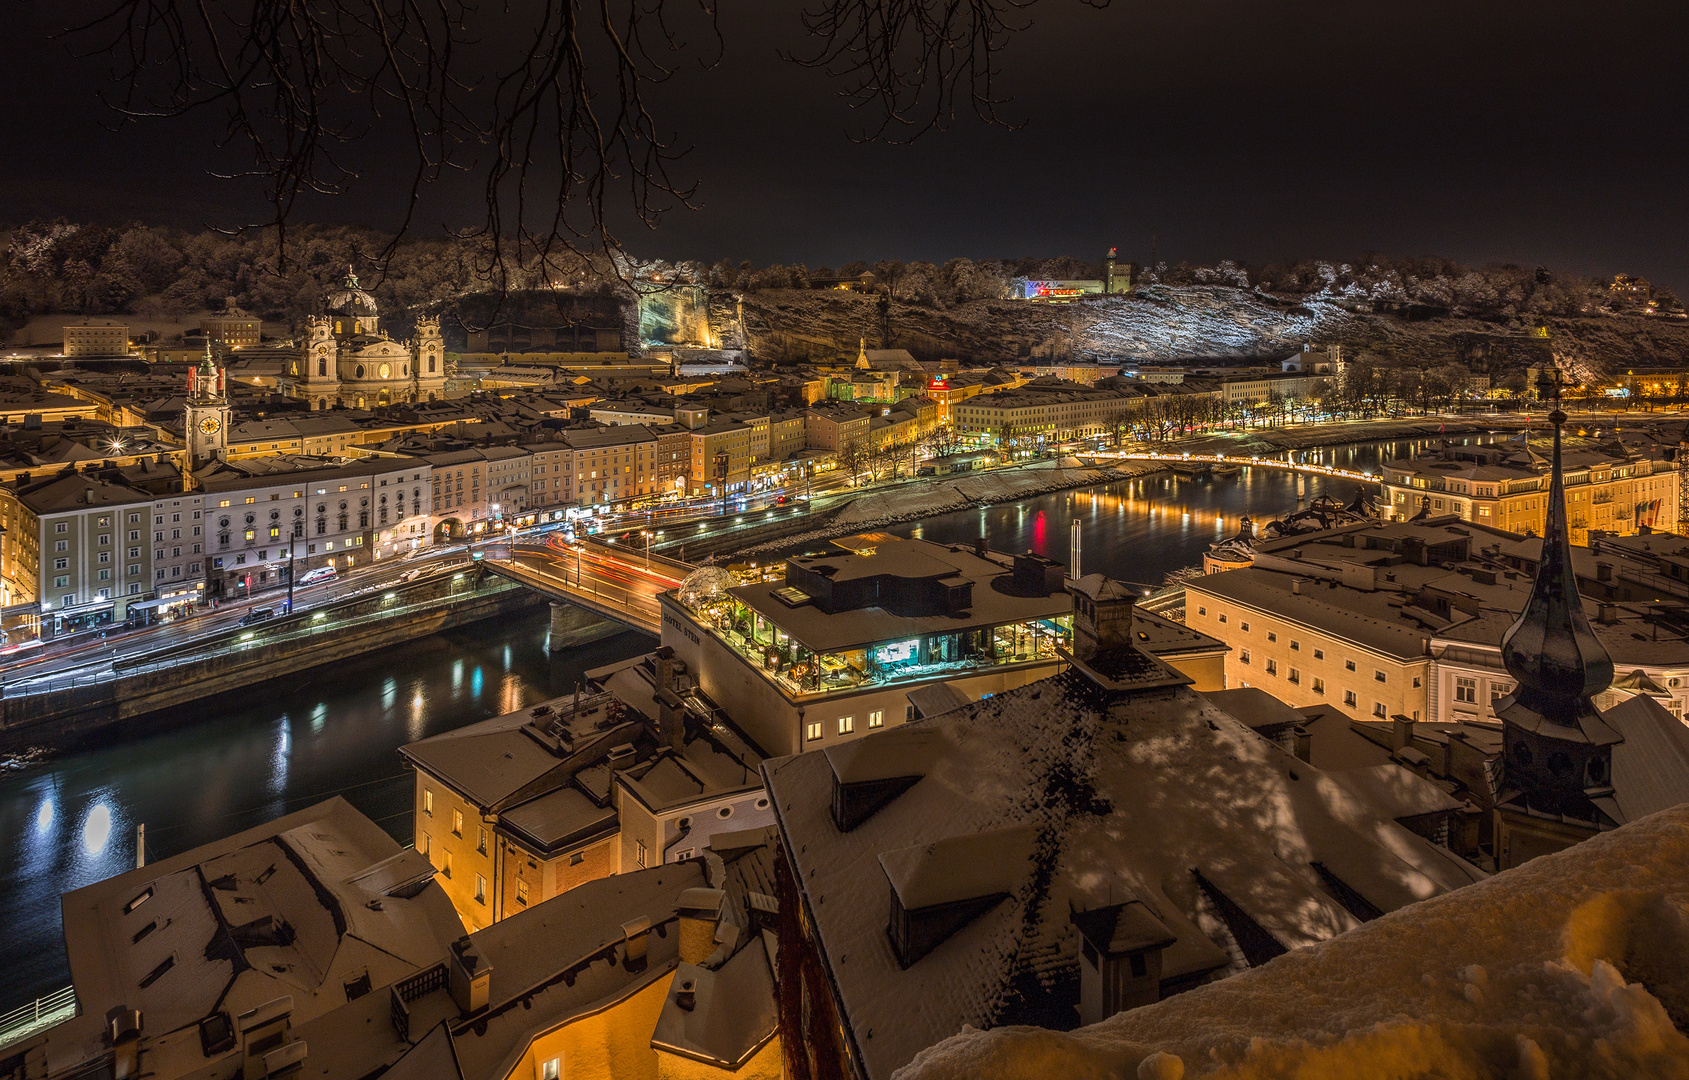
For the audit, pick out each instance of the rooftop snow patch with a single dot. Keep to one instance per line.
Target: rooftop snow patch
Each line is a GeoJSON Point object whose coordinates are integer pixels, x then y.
{"type": "Point", "coordinates": [1573, 965]}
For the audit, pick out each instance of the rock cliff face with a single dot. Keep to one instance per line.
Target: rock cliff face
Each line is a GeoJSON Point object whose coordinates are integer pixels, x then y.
{"type": "Point", "coordinates": [1177, 323]}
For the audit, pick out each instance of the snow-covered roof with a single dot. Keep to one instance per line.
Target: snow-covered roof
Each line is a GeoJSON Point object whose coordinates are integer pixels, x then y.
{"type": "Point", "coordinates": [1123, 796]}
{"type": "Point", "coordinates": [1561, 967]}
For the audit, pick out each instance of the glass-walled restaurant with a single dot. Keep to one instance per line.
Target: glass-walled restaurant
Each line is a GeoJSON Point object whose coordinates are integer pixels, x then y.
{"type": "Point", "coordinates": [797, 669]}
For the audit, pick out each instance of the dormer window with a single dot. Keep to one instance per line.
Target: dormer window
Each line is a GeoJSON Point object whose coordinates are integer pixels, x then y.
{"type": "Point", "coordinates": [938, 888]}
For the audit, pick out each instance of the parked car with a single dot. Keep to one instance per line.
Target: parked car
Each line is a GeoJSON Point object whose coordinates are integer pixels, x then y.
{"type": "Point", "coordinates": [256, 615]}
{"type": "Point", "coordinates": [321, 573]}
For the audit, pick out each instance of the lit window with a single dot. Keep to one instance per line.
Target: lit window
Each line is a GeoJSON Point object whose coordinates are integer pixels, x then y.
{"type": "Point", "coordinates": [552, 1069]}
{"type": "Point", "coordinates": [480, 889]}
{"type": "Point", "coordinates": [877, 718]}
{"type": "Point", "coordinates": [521, 892]}
{"type": "Point", "coordinates": [427, 802]}
{"type": "Point", "coordinates": [812, 731]}
{"type": "Point", "coordinates": [847, 724]}
{"type": "Point", "coordinates": [457, 822]}
{"type": "Point", "coordinates": [481, 845]}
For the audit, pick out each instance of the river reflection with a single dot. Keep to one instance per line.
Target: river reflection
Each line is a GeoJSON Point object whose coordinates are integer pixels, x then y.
{"type": "Point", "coordinates": [234, 764]}
{"type": "Point", "coordinates": [1140, 530]}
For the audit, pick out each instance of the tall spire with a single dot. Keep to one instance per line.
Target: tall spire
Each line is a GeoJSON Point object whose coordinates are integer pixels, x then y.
{"type": "Point", "coordinates": [1551, 649]}
{"type": "Point", "coordinates": [1558, 747]}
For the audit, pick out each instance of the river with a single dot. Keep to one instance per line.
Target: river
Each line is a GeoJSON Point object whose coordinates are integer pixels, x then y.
{"type": "Point", "coordinates": [229, 765]}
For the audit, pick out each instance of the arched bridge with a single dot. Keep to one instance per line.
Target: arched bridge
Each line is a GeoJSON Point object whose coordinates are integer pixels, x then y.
{"type": "Point", "coordinates": [595, 580]}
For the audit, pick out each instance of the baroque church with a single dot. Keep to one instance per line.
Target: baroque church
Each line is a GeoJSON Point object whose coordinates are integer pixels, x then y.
{"type": "Point", "coordinates": [347, 360]}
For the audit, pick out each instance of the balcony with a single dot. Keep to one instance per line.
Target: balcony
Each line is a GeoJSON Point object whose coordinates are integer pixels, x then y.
{"type": "Point", "coordinates": [799, 672]}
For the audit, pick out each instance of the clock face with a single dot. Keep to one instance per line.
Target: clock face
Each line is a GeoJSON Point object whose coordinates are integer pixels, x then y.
{"type": "Point", "coordinates": [386, 371]}
{"type": "Point", "coordinates": [209, 425]}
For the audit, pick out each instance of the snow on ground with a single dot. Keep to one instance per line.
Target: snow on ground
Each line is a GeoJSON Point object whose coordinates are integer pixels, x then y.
{"type": "Point", "coordinates": [1572, 966]}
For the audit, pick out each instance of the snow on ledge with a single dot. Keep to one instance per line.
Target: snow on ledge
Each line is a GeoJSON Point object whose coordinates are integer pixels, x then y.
{"type": "Point", "coordinates": [1574, 965]}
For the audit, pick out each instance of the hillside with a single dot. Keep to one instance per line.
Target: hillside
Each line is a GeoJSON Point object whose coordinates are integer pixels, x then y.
{"type": "Point", "coordinates": [1167, 323]}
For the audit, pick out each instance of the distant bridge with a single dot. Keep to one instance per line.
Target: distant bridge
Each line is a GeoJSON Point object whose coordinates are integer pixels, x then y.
{"type": "Point", "coordinates": [1239, 459]}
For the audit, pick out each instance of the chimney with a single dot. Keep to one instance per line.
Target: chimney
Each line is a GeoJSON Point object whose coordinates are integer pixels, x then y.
{"type": "Point", "coordinates": [123, 1031]}
{"type": "Point", "coordinates": [1606, 615]}
{"type": "Point", "coordinates": [1603, 571]}
{"type": "Point", "coordinates": [635, 937]}
{"type": "Point", "coordinates": [261, 1031]}
{"type": "Point", "coordinates": [686, 997]}
{"type": "Point", "coordinates": [979, 547]}
{"type": "Point", "coordinates": [1296, 586]}
{"type": "Point", "coordinates": [1401, 732]}
{"type": "Point", "coordinates": [469, 976]}
{"type": "Point", "coordinates": [699, 911]}
{"type": "Point", "coordinates": [1304, 745]}
{"type": "Point", "coordinates": [672, 718]}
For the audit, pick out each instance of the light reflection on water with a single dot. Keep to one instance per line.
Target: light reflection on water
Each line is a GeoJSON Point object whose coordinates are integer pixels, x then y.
{"type": "Point", "coordinates": [235, 763]}
{"type": "Point", "coordinates": [1140, 530]}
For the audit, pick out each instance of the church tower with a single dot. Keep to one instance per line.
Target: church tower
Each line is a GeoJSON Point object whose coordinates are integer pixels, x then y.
{"type": "Point", "coordinates": [319, 383]}
{"type": "Point", "coordinates": [1557, 763]}
{"type": "Point", "coordinates": [207, 419]}
{"type": "Point", "coordinates": [428, 362]}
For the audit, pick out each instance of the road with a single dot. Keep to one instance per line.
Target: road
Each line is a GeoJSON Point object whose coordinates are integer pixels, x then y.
{"type": "Point", "coordinates": [599, 579]}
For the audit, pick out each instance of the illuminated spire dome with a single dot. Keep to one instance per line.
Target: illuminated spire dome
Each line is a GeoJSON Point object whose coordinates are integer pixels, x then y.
{"type": "Point", "coordinates": [351, 300]}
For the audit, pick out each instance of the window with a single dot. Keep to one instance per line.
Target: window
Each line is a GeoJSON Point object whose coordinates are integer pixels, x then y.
{"type": "Point", "coordinates": [1416, 682]}
{"type": "Point", "coordinates": [1222, 618]}
{"type": "Point", "coordinates": [1271, 636]}
{"type": "Point", "coordinates": [1243, 656]}
{"type": "Point", "coordinates": [1378, 709]}
{"type": "Point", "coordinates": [61, 564]}
{"type": "Point", "coordinates": [1319, 686]}
{"type": "Point", "coordinates": [65, 526]}
{"type": "Point", "coordinates": [877, 718]}
{"type": "Point", "coordinates": [1349, 698]}
{"type": "Point", "coordinates": [552, 1069]}
{"type": "Point", "coordinates": [1202, 611]}
{"type": "Point", "coordinates": [427, 802]}
{"type": "Point", "coordinates": [577, 858]}
{"type": "Point", "coordinates": [1244, 627]}
{"type": "Point", "coordinates": [61, 545]}
{"type": "Point", "coordinates": [1294, 676]}
{"type": "Point", "coordinates": [445, 863]}
{"type": "Point", "coordinates": [61, 582]}
{"type": "Point", "coordinates": [812, 731]}
{"type": "Point", "coordinates": [1466, 690]}
{"type": "Point", "coordinates": [639, 853]}
{"type": "Point", "coordinates": [847, 724]}
{"type": "Point", "coordinates": [481, 845]}
{"type": "Point", "coordinates": [1499, 690]}
{"type": "Point", "coordinates": [521, 892]}
{"type": "Point", "coordinates": [1348, 665]}
{"type": "Point", "coordinates": [480, 889]}
{"type": "Point", "coordinates": [1272, 667]}
{"type": "Point", "coordinates": [457, 822]}
{"type": "Point", "coordinates": [1378, 676]}
{"type": "Point", "coordinates": [422, 843]}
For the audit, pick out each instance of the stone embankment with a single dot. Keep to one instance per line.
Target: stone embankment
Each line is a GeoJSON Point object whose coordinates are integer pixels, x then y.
{"type": "Point", "coordinates": [242, 659]}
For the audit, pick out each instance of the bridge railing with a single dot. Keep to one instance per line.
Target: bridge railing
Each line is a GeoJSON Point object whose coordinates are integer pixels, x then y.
{"type": "Point", "coordinates": [38, 1015]}
{"type": "Point", "coordinates": [592, 592]}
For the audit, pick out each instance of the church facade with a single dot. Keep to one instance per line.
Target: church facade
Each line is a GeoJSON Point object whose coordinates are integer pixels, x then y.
{"type": "Point", "coordinates": [347, 360]}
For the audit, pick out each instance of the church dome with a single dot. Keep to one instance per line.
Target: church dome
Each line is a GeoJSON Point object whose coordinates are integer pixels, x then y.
{"type": "Point", "coordinates": [349, 299]}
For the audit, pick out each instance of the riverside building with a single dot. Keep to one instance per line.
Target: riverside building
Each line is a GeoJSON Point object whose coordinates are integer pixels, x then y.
{"type": "Point", "coordinates": [1616, 487]}
{"type": "Point", "coordinates": [837, 646]}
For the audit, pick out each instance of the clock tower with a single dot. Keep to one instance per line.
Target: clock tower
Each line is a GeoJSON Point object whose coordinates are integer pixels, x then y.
{"type": "Point", "coordinates": [207, 413]}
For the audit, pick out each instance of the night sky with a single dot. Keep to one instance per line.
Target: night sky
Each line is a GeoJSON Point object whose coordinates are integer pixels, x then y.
{"type": "Point", "coordinates": [1547, 133]}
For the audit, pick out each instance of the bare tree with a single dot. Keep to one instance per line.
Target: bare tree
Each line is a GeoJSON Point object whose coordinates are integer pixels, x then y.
{"type": "Point", "coordinates": [546, 102]}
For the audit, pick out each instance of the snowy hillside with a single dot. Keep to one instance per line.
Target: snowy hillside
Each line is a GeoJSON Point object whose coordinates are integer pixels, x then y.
{"type": "Point", "coordinates": [1176, 322]}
